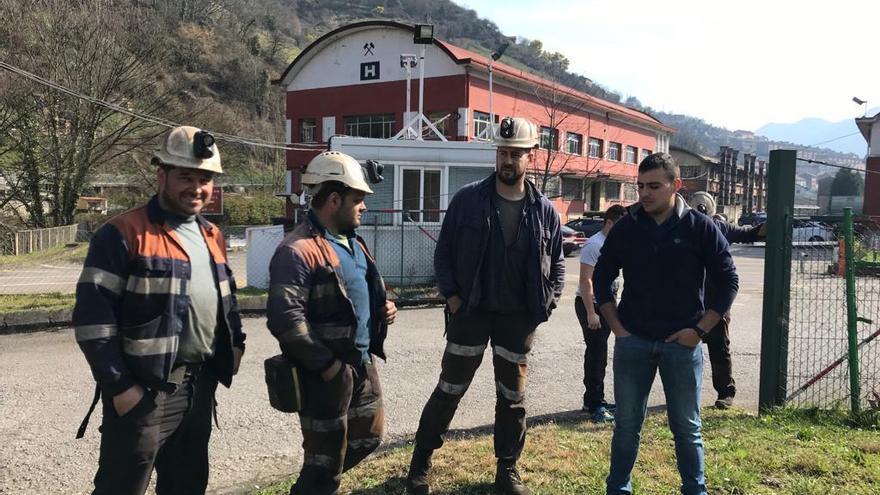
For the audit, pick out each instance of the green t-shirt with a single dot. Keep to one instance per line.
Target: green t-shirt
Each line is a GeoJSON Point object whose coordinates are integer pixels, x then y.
{"type": "Point", "coordinates": [197, 341]}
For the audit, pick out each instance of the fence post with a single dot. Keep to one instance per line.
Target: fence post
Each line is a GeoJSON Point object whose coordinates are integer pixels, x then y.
{"type": "Point", "coordinates": [402, 235]}
{"type": "Point", "coordinates": [855, 392]}
{"type": "Point", "coordinates": [777, 279]}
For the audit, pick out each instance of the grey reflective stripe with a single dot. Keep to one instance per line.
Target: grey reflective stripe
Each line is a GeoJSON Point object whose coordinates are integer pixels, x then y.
{"type": "Point", "coordinates": [225, 289]}
{"type": "Point", "coordinates": [324, 290]}
{"type": "Point", "coordinates": [103, 278]}
{"type": "Point", "coordinates": [453, 389]}
{"type": "Point", "coordinates": [288, 291]}
{"type": "Point", "coordinates": [297, 330]}
{"type": "Point", "coordinates": [92, 332]}
{"type": "Point", "coordinates": [333, 331]}
{"type": "Point", "coordinates": [511, 395]}
{"type": "Point", "coordinates": [364, 443]}
{"type": "Point", "coordinates": [366, 411]}
{"type": "Point", "coordinates": [149, 347]}
{"type": "Point", "coordinates": [153, 285]}
{"type": "Point", "coordinates": [465, 350]}
{"type": "Point", "coordinates": [513, 357]}
{"type": "Point", "coordinates": [322, 425]}
{"type": "Point", "coordinates": [325, 461]}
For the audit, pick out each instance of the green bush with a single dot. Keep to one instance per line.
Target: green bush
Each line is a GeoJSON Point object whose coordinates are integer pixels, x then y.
{"type": "Point", "coordinates": [252, 210]}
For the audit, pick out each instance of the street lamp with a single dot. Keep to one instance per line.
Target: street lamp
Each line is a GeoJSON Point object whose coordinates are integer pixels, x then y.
{"type": "Point", "coordinates": [494, 58]}
{"type": "Point", "coordinates": [424, 35]}
{"type": "Point", "coordinates": [859, 101]}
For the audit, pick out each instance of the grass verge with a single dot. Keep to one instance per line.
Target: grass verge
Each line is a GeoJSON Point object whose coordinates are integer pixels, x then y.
{"type": "Point", "coordinates": [58, 254]}
{"type": "Point", "coordinates": [803, 452]}
{"type": "Point", "coordinates": [24, 302]}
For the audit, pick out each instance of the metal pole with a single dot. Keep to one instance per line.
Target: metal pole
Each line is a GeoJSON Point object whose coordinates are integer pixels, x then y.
{"type": "Point", "coordinates": [855, 392]}
{"type": "Point", "coordinates": [402, 221]}
{"type": "Point", "coordinates": [421, 91]}
{"type": "Point", "coordinates": [491, 111]}
{"type": "Point", "coordinates": [777, 279]}
{"type": "Point", "coordinates": [408, 116]}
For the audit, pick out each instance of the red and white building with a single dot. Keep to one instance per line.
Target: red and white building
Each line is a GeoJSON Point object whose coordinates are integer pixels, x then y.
{"type": "Point", "coordinates": [350, 82]}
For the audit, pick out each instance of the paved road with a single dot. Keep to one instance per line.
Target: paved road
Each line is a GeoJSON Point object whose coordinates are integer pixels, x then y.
{"type": "Point", "coordinates": [45, 388]}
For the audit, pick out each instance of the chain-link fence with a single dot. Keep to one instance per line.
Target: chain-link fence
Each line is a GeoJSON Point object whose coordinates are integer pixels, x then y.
{"type": "Point", "coordinates": [403, 243]}
{"type": "Point", "coordinates": [822, 337]}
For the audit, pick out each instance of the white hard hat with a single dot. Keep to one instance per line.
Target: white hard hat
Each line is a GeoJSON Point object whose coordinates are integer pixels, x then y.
{"type": "Point", "coordinates": [189, 147]}
{"type": "Point", "coordinates": [703, 202]}
{"type": "Point", "coordinates": [335, 166]}
{"type": "Point", "coordinates": [516, 132]}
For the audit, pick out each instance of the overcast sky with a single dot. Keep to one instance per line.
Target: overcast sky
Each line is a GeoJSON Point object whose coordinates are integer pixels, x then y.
{"type": "Point", "coordinates": [738, 65]}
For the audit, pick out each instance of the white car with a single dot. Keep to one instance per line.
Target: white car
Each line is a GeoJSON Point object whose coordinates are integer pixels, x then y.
{"type": "Point", "coordinates": [810, 231]}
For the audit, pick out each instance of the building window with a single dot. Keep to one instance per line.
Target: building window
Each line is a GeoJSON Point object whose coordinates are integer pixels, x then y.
{"type": "Point", "coordinates": [370, 126]}
{"type": "Point", "coordinates": [612, 191]}
{"type": "Point", "coordinates": [420, 189]}
{"type": "Point", "coordinates": [631, 154]}
{"type": "Point", "coordinates": [614, 151]}
{"type": "Point", "coordinates": [645, 153]}
{"type": "Point", "coordinates": [549, 138]}
{"type": "Point", "coordinates": [307, 130]}
{"type": "Point", "coordinates": [437, 118]}
{"type": "Point", "coordinates": [573, 143]}
{"type": "Point", "coordinates": [572, 189]}
{"type": "Point", "coordinates": [595, 148]}
{"type": "Point", "coordinates": [482, 126]}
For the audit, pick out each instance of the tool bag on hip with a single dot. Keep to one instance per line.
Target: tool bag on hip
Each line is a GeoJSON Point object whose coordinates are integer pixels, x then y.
{"type": "Point", "coordinates": [284, 384]}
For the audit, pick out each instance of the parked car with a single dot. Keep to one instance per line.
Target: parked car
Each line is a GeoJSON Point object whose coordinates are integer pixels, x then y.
{"type": "Point", "coordinates": [753, 218]}
{"type": "Point", "coordinates": [572, 240]}
{"type": "Point", "coordinates": [588, 225]}
{"type": "Point", "coordinates": [811, 231]}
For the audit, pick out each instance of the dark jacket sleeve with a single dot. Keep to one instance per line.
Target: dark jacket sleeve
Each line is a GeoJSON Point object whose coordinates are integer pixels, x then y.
{"type": "Point", "coordinates": [608, 267]}
{"type": "Point", "coordinates": [557, 258]}
{"type": "Point", "coordinates": [96, 311]}
{"type": "Point", "coordinates": [238, 336]}
{"type": "Point", "coordinates": [738, 235]}
{"type": "Point", "coordinates": [444, 253]}
{"type": "Point", "coordinates": [720, 268]}
{"type": "Point", "coordinates": [290, 283]}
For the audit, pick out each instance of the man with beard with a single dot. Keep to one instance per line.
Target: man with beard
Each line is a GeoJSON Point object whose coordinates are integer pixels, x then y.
{"type": "Point", "coordinates": [327, 308]}
{"type": "Point", "coordinates": [157, 319]}
{"type": "Point", "coordinates": [499, 264]}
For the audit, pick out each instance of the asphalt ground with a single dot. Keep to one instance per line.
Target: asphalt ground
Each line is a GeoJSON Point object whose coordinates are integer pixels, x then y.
{"type": "Point", "coordinates": [46, 387]}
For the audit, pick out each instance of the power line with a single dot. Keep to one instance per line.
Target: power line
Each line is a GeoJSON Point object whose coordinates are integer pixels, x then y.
{"type": "Point", "coordinates": [835, 139]}
{"type": "Point", "coordinates": [256, 142]}
{"type": "Point", "coordinates": [837, 165]}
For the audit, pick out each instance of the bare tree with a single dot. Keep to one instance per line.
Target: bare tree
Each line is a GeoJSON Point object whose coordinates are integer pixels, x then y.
{"type": "Point", "coordinates": [562, 106]}
{"type": "Point", "coordinates": [97, 48]}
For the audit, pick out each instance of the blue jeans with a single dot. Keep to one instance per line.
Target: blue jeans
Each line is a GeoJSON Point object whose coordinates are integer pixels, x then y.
{"type": "Point", "coordinates": [636, 361]}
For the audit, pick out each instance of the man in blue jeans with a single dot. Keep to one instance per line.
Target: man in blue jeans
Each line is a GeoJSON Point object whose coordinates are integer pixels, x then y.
{"type": "Point", "coordinates": [665, 250]}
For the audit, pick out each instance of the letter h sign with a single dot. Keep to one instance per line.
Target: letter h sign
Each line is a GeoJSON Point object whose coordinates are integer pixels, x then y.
{"type": "Point", "coordinates": [369, 71]}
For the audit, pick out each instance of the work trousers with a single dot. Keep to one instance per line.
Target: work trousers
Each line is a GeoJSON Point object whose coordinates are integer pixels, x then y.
{"type": "Point", "coordinates": [342, 423]}
{"type": "Point", "coordinates": [467, 337]}
{"type": "Point", "coordinates": [168, 431]}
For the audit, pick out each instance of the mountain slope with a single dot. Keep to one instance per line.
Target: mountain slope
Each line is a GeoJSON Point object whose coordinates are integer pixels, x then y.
{"type": "Point", "coordinates": [812, 131]}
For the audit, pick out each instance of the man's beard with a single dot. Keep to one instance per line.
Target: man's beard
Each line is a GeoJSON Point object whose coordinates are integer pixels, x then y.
{"type": "Point", "coordinates": [509, 180]}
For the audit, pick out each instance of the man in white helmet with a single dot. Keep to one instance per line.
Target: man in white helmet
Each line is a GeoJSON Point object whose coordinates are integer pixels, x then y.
{"type": "Point", "coordinates": [157, 319]}
{"type": "Point", "coordinates": [328, 310]}
{"type": "Point", "coordinates": [718, 338]}
{"type": "Point", "coordinates": [499, 264]}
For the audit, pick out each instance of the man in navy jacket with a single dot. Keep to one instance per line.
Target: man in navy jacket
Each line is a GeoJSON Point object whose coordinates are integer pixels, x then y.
{"type": "Point", "coordinates": [665, 250]}
{"type": "Point", "coordinates": [499, 265]}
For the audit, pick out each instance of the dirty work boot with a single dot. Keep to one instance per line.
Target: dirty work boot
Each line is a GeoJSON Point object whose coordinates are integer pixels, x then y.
{"type": "Point", "coordinates": [507, 480]}
{"type": "Point", "coordinates": [724, 402]}
{"type": "Point", "coordinates": [417, 478]}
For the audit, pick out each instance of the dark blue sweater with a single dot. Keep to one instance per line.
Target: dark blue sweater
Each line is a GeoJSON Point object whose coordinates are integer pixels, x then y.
{"type": "Point", "coordinates": [664, 268]}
